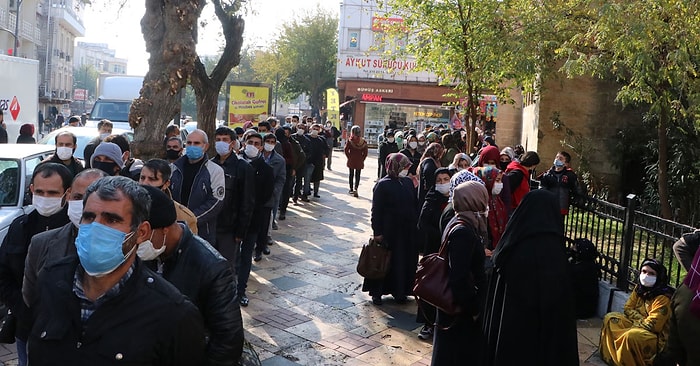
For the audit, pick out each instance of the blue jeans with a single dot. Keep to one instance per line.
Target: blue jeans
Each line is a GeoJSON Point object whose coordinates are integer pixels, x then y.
{"type": "Point", "coordinates": [307, 178]}
{"type": "Point", "coordinates": [21, 352]}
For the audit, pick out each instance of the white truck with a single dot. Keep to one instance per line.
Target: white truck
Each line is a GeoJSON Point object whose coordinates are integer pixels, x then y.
{"type": "Point", "coordinates": [114, 96]}
{"type": "Point", "coordinates": [19, 94]}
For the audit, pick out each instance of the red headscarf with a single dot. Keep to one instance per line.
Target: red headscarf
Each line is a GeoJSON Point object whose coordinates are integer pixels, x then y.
{"type": "Point", "coordinates": [489, 153]}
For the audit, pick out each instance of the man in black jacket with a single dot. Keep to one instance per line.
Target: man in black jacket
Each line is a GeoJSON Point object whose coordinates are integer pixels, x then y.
{"type": "Point", "coordinates": [239, 198]}
{"type": "Point", "coordinates": [264, 185]}
{"type": "Point", "coordinates": [50, 186]}
{"type": "Point", "coordinates": [107, 307]}
{"type": "Point", "coordinates": [104, 128]}
{"type": "Point", "coordinates": [200, 273]}
{"type": "Point", "coordinates": [66, 142]}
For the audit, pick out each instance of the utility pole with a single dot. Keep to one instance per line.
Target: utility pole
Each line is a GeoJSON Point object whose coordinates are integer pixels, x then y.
{"type": "Point", "coordinates": [17, 19]}
{"type": "Point", "coordinates": [277, 85]}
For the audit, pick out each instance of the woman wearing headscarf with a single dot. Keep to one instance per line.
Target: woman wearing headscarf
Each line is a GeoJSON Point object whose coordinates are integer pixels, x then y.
{"type": "Point", "coordinates": [498, 214]}
{"type": "Point", "coordinates": [388, 146]}
{"type": "Point", "coordinates": [529, 313]}
{"type": "Point", "coordinates": [448, 141]}
{"type": "Point", "coordinates": [458, 338]}
{"type": "Point", "coordinates": [460, 162]}
{"type": "Point", "coordinates": [429, 163]}
{"type": "Point", "coordinates": [394, 219]}
{"type": "Point", "coordinates": [356, 152]}
{"type": "Point", "coordinates": [26, 134]}
{"type": "Point", "coordinates": [635, 336]}
{"type": "Point", "coordinates": [411, 152]}
{"type": "Point", "coordinates": [429, 232]}
{"type": "Point", "coordinates": [448, 212]}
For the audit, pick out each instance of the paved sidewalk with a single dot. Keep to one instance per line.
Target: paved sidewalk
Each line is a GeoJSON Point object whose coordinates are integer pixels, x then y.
{"type": "Point", "coordinates": [306, 307]}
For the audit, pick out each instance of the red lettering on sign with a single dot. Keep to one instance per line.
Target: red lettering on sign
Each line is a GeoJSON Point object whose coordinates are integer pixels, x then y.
{"type": "Point", "coordinates": [371, 98]}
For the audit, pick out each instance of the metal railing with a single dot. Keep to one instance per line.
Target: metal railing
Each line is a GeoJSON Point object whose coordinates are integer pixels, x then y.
{"type": "Point", "coordinates": [624, 237]}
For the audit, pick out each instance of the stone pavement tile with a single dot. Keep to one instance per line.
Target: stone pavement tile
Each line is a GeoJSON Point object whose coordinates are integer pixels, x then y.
{"type": "Point", "coordinates": [314, 330]}
{"type": "Point", "coordinates": [285, 283]}
{"type": "Point", "coordinates": [311, 353]}
{"type": "Point", "coordinates": [249, 321]}
{"type": "Point", "coordinates": [271, 339]}
{"type": "Point", "coordinates": [589, 329]}
{"type": "Point", "coordinates": [371, 328]}
{"type": "Point", "coordinates": [6, 349]}
{"type": "Point", "coordinates": [330, 249]}
{"type": "Point", "coordinates": [402, 320]}
{"type": "Point", "coordinates": [426, 361]}
{"type": "Point", "coordinates": [258, 306]}
{"type": "Point", "coordinates": [279, 361]}
{"type": "Point", "coordinates": [336, 300]}
{"type": "Point", "coordinates": [327, 282]}
{"type": "Point", "coordinates": [334, 271]}
{"type": "Point", "coordinates": [263, 354]}
{"type": "Point", "coordinates": [282, 318]}
{"type": "Point", "coordinates": [285, 238]}
{"type": "Point", "coordinates": [285, 257]}
{"type": "Point", "coordinates": [350, 344]}
{"type": "Point", "coordinates": [388, 355]}
{"type": "Point", "coordinates": [334, 317]}
{"type": "Point", "coordinates": [405, 340]}
{"type": "Point", "coordinates": [283, 300]}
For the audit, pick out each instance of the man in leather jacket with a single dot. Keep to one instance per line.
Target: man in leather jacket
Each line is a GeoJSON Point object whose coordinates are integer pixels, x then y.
{"type": "Point", "coordinates": [239, 198]}
{"type": "Point", "coordinates": [200, 273]}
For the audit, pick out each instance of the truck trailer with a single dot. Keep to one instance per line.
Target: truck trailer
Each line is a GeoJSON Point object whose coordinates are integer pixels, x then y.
{"type": "Point", "coordinates": [19, 94]}
{"type": "Point", "coordinates": [115, 93]}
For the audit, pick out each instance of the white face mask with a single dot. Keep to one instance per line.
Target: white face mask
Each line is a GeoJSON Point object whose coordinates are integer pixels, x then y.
{"type": "Point", "coordinates": [421, 143]}
{"type": "Point", "coordinates": [269, 147]}
{"type": "Point", "coordinates": [497, 187]}
{"type": "Point", "coordinates": [103, 136]}
{"type": "Point", "coordinates": [403, 173]}
{"type": "Point", "coordinates": [147, 252]}
{"type": "Point", "coordinates": [443, 188]}
{"type": "Point", "coordinates": [64, 153]}
{"type": "Point", "coordinates": [314, 133]}
{"type": "Point", "coordinates": [47, 206]}
{"type": "Point", "coordinates": [413, 144]}
{"type": "Point", "coordinates": [75, 211]}
{"type": "Point", "coordinates": [647, 280]}
{"type": "Point", "coordinates": [300, 131]}
{"type": "Point", "coordinates": [222, 147]}
{"type": "Point", "coordinates": [390, 139]}
{"type": "Point", "coordinates": [251, 151]}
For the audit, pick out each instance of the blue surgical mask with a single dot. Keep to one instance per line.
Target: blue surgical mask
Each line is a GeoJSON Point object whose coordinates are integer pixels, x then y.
{"type": "Point", "coordinates": [100, 248]}
{"type": "Point", "coordinates": [558, 163]}
{"type": "Point", "coordinates": [194, 152]}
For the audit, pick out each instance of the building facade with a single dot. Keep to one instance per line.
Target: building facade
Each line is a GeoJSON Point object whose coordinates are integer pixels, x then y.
{"type": "Point", "coordinates": [99, 56]}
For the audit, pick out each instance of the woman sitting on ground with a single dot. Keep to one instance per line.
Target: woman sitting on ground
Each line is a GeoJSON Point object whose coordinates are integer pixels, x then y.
{"type": "Point", "coordinates": [637, 335]}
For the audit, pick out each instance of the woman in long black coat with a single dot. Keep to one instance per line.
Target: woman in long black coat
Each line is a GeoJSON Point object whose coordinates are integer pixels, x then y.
{"type": "Point", "coordinates": [394, 224]}
{"type": "Point", "coordinates": [529, 313]}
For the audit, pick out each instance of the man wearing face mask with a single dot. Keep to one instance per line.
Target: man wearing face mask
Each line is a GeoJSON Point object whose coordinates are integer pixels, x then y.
{"type": "Point", "coordinates": [387, 147]}
{"type": "Point", "coordinates": [66, 142]}
{"type": "Point", "coordinates": [561, 180]}
{"type": "Point", "coordinates": [264, 185]}
{"type": "Point", "coordinates": [52, 245]}
{"type": "Point", "coordinates": [105, 301]}
{"type": "Point", "coordinates": [104, 128]}
{"type": "Point", "coordinates": [239, 199]}
{"type": "Point", "coordinates": [173, 149]}
{"type": "Point", "coordinates": [200, 273]}
{"type": "Point", "coordinates": [50, 185]}
{"type": "Point", "coordinates": [156, 173]}
{"type": "Point", "coordinates": [279, 172]}
{"type": "Point", "coordinates": [302, 189]}
{"type": "Point", "coordinates": [132, 167]}
{"type": "Point", "coordinates": [199, 184]}
{"type": "Point", "coordinates": [319, 151]}
{"type": "Point", "coordinates": [108, 158]}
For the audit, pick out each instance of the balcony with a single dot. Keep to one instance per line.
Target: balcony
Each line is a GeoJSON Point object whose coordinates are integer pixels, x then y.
{"type": "Point", "coordinates": [68, 19]}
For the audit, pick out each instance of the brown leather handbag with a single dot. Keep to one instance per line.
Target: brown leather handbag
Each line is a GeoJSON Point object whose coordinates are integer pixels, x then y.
{"type": "Point", "coordinates": [374, 260]}
{"type": "Point", "coordinates": [432, 283]}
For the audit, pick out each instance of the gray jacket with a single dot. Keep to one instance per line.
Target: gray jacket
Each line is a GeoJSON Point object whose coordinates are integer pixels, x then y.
{"type": "Point", "coordinates": [46, 248]}
{"type": "Point", "coordinates": [279, 173]}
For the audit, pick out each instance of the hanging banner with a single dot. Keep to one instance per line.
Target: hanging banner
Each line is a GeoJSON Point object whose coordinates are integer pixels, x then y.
{"type": "Point", "coordinates": [247, 102]}
{"type": "Point", "coordinates": [333, 107]}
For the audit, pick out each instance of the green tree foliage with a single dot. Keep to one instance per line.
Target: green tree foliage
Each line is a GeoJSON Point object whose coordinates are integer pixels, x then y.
{"type": "Point", "coordinates": [475, 46]}
{"type": "Point", "coordinates": [651, 48]}
{"type": "Point", "coordinates": [304, 56]}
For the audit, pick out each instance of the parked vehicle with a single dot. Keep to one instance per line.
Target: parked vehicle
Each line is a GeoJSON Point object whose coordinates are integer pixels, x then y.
{"type": "Point", "coordinates": [115, 93]}
{"type": "Point", "coordinates": [19, 95]}
{"type": "Point", "coordinates": [17, 163]}
{"type": "Point", "coordinates": [83, 136]}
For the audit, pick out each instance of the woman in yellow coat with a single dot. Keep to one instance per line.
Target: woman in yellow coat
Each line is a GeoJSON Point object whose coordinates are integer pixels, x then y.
{"type": "Point", "coordinates": [636, 336]}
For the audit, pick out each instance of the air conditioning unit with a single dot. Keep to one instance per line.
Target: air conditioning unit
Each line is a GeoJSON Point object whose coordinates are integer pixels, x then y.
{"type": "Point", "coordinates": [14, 5]}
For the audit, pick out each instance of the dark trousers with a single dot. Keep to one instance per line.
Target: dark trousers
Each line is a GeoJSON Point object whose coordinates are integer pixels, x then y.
{"type": "Point", "coordinates": [264, 220]}
{"type": "Point", "coordinates": [354, 173]}
{"type": "Point", "coordinates": [299, 181]}
{"type": "Point", "coordinates": [245, 260]}
{"type": "Point", "coordinates": [286, 192]}
{"type": "Point", "coordinates": [227, 245]}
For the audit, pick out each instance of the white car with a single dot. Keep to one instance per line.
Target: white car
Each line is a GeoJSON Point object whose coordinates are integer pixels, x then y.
{"type": "Point", "coordinates": [83, 136]}
{"type": "Point", "coordinates": [17, 163]}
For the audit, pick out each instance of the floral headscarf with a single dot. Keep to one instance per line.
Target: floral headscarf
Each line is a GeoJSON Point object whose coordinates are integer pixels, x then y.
{"type": "Point", "coordinates": [461, 177]}
{"type": "Point", "coordinates": [395, 163]}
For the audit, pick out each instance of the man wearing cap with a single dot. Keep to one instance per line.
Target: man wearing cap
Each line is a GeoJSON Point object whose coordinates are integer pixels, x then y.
{"type": "Point", "coordinates": [199, 184]}
{"type": "Point", "coordinates": [106, 307]}
{"type": "Point", "coordinates": [132, 167]}
{"type": "Point", "coordinates": [108, 158]}
{"type": "Point", "coordinates": [200, 273]}
{"type": "Point", "coordinates": [52, 245]}
{"type": "Point", "coordinates": [66, 142]}
{"type": "Point", "coordinates": [239, 199]}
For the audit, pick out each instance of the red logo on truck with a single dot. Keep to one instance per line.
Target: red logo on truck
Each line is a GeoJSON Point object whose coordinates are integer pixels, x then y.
{"type": "Point", "coordinates": [14, 108]}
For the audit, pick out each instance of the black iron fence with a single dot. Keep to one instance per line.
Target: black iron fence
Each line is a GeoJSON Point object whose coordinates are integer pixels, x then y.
{"type": "Point", "coordinates": [624, 237]}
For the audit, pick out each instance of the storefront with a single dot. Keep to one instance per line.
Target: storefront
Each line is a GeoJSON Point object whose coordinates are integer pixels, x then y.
{"type": "Point", "coordinates": [379, 105]}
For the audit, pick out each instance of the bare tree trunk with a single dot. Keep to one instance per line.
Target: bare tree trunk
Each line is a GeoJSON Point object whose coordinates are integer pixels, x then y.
{"type": "Point", "coordinates": [664, 195]}
{"type": "Point", "coordinates": [167, 27]}
{"type": "Point", "coordinates": [206, 87]}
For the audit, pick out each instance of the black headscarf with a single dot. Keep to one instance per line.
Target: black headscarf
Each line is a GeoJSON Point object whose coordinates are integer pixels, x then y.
{"type": "Point", "coordinates": [525, 223]}
{"type": "Point", "coordinates": [281, 136]}
{"type": "Point", "coordinates": [661, 286]}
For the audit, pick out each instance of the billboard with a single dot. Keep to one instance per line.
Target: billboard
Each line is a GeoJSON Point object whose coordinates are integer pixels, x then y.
{"type": "Point", "coordinates": [333, 107]}
{"type": "Point", "coordinates": [247, 102]}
